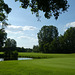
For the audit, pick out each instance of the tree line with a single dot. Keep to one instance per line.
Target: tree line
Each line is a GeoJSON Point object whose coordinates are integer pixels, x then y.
{"type": "Point", "coordinates": [50, 42]}
{"type": "Point", "coordinates": [48, 39]}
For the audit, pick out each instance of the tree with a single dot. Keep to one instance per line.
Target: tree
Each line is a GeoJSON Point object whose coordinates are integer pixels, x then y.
{"type": "Point", "coordinates": [46, 48]}
{"type": "Point", "coordinates": [62, 46]}
{"type": "Point", "coordinates": [4, 10]}
{"type": "Point", "coordinates": [10, 43]}
{"type": "Point", "coordinates": [46, 35]}
{"type": "Point", "coordinates": [35, 48]}
{"type": "Point", "coordinates": [3, 37]}
{"type": "Point", "coordinates": [10, 52]}
{"type": "Point", "coordinates": [49, 7]}
{"type": "Point", "coordinates": [65, 43]}
{"type": "Point", "coordinates": [69, 39]}
{"type": "Point", "coordinates": [54, 47]}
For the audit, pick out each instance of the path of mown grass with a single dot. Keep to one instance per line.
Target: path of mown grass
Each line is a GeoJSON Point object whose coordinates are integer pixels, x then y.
{"type": "Point", "coordinates": [54, 66]}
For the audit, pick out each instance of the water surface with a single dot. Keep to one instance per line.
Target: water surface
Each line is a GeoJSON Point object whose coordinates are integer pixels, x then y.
{"type": "Point", "coordinates": [2, 59]}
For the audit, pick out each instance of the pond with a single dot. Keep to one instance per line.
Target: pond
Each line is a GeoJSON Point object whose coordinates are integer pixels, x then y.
{"type": "Point", "coordinates": [1, 59]}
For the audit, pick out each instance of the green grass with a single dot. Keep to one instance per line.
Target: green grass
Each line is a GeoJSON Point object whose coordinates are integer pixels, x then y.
{"type": "Point", "coordinates": [1, 52]}
{"type": "Point", "coordinates": [56, 64]}
{"type": "Point", "coordinates": [42, 55]}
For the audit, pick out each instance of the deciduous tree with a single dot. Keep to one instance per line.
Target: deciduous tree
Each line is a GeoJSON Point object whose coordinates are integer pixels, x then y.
{"type": "Point", "coordinates": [3, 37]}
{"type": "Point", "coordinates": [10, 43]}
{"type": "Point", "coordinates": [46, 35]}
{"type": "Point", "coordinates": [49, 7]}
{"type": "Point", "coordinates": [69, 39]}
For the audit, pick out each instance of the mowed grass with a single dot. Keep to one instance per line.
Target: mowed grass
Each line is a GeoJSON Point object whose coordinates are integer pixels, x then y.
{"type": "Point", "coordinates": [51, 64]}
{"type": "Point", "coordinates": [1, 52]}
{"type": "Point", "coordinates": [54, 66]}
{"type": "Point", "coordinates": [43, 55]}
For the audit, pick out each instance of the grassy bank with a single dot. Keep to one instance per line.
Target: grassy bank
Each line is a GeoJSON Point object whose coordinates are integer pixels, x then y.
{"type": "Point", "coordinates": [55, 66]}
{"type": "Point", "coordinates": [42, 55]}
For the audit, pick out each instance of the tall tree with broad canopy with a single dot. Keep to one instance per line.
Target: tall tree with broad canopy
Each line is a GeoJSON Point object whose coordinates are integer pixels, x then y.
{"type": "Point", "coordinates": [10, 43]}
{"type": "Point", "coordinates": [49, 7]}
{"type": "Point", "coordinates": [3, 37]}
{"type": "Point", "coordinates": [46, 35]}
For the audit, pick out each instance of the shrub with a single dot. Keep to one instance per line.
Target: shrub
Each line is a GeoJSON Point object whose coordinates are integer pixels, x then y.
{"type": "Point", "coordinates": [10, 55]}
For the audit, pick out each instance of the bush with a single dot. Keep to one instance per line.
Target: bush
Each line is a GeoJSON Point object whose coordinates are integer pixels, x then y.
{"type": "Point", "coordinates": [10, 55]}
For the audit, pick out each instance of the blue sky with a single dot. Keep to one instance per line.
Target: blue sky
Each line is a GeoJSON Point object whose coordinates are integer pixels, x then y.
{"type": "Point", "coordinates": [24, 26]}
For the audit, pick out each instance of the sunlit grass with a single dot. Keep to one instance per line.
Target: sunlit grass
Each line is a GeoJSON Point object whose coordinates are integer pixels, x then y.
{"type": "Point", "coordinates": [1, 52]}
{"type": "Point", "coordinates": [42, 55]}
{"type": "Point", "coordinates": [54, 66]}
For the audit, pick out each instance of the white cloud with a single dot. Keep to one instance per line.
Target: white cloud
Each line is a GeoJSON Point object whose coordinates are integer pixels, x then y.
{"type": "Point", "coordinates": [29, 28]}
{"type": "Point", "coordinates": [12, 32]}
{"type": "Point", "coordinates": [28, 38]}
{"type": "Point", "coordinates": [68, 25]}
{"type": "Point", "coordinates": [27, 41]}
{"type": "Point", "coordinates": [18, 29]}
{"type": "Point", "coordinates": [72, 24]}
{"type": "Point", "coordinates": [23, 37]}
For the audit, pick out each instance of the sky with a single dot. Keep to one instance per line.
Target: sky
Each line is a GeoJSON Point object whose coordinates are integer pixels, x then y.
{"type": "Point", "coordinates": [24, 25]}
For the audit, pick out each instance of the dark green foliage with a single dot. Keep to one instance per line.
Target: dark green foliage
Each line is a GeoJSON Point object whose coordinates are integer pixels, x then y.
{"type": "Point", "coordinates": [35, 48]}
{"type": "Point", "coordinates": [19, 49]}
{"type": "Point", "coordinates": [49, 7]}
{"type": "Point", "coordinates": [49, 42]}
{"type": "Point", "coordinates": [54, 46]}
{"type": "Point", "coordinates": [3, 37]}
{"type": "Point", "coordinates": [10, 55]}
{"type": "Point", "coordinates": [1, 56]}
{"type": "Point", "coordinates": [15, 55]}
{"type": "Point", "coordinates": [41, 49]}
{"type": "Point", "coordinates": [10, 43]}
{"type": "Point", "coordinates": [45, 36]}
{"type": "Point", "coordinates": [4, 10]}
{"type": "Point", "coordinates": [69, 39]}
{"type": "Point", "coordinates": [65, 43]}
{"type": "Point", "coordinates": [46, 48]}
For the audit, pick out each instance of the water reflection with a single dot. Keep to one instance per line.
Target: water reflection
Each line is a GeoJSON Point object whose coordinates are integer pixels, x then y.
{"type": "Point", "coordinates": [1, 59]}
{"type": "Point", "coordinates": [24, 58]}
